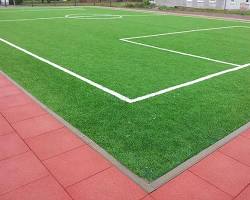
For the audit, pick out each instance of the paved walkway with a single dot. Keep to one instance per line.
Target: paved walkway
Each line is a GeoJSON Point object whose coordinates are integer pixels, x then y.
{"type": "Point", "coordinates": [40, 159]}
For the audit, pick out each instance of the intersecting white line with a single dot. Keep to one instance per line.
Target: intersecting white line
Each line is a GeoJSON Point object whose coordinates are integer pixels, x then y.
{"type": "Point", "coordinates": [128, 40]}
{"type": "Point", "coordinates": [180, 53]}
{"type": "Point", "coordinates": [188, 83]}
{"type": "Point", "coordinates": [169, 89]}
{"type": "Point", "coordinates": [120, 96]}
{"type": "Point", "coordinates": [188, 31]}
{"type": "Point", "coordinates": [105, 89]}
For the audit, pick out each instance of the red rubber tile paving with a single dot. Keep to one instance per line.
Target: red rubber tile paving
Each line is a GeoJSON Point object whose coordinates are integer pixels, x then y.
{"type": "Point", "coordinates": [21, 113]}
{"type": "Point", "coordinates": [75, 165]}
{"type": "Point", "coordinates": [80, 172]}
{"type": "Point", "coordinates": [5, 127]}
{"type": "Point", "coordinates": [107, 185]}
{"type": "Point", "coordinates": [14, 100]}
{"type": "Point", "coordinates": [54, 143]}
{"type": "Point", "coordinates": [8, 91]}
{"type": "Point", "coordinates": [20, 170]}
{"type": "Point", "coordinates": [246, 133]}
{"type": "Point", "coordinates": [224, 172]}
{"type": "Point", "coordinates": [4, 81]}
{"type": "Point", "coordinates": [37, 125]}
{"type": "Point", "coordinates": [11, 145]}
{"type": "Point", "coordinates": [43, 189]}
{"type": "Point", "coordinates": [148, 198]}
{"type": "Point", "coordinates": [188, 186]}
{"type": "Point", "coordinates": [238, 149]}
{"type": "Point", "coordinates": [245, 195]}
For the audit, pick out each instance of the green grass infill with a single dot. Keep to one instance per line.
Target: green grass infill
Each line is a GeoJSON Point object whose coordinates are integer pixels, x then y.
{"type": "Point", "coordinates": [149, 137]}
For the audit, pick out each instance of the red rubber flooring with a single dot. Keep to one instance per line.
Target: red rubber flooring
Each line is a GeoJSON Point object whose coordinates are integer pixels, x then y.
{"type": "Point", "coordinates": [40, 159]}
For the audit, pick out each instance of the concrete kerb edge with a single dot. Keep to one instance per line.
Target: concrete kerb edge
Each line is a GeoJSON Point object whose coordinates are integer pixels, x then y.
{"type": "Point", "coordinates": [144, 184]}
{"type": "Point", "coordinates": [141, 182]}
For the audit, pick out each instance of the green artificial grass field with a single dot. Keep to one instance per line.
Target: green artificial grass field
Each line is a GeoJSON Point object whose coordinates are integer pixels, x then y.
{"type": "Point", "coordinates": [153, 135]}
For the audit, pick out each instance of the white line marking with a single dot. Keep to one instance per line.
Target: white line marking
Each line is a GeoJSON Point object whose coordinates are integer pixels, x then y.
{"type": "Point", "coordinates": [181, 32]}
{"type": "Point", "coordinates": [141, 15]}
{"type": "Point", "coordinates": [137, 99]}
{"type": "Point", "coordinates": [93, 16]}
{"type": "Point", "coordinates": [76, 17]}
{"type": "Point", "coordinates": [30, 19]}
{"type": "Point", "coordinates": [179, 52]}
{"type": "Point", "coordinates": [238, 67]}
{"type": "Point", "coordinates": [188, 83]}
{"type": "Point", "coordinates": [128, 40]}
{"type": "Point", "coordinates": [107, 90]}
{"type": "Point", "coordinates": [37, 10]}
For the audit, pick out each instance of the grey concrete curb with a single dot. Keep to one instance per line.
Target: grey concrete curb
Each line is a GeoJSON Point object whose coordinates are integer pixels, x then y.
{"type": "Point", "coordinates": [195, 159]}
{"type": "Point", "coordinates": [141, 182]}
{"type": "Point", "coordinates": [144, 184]}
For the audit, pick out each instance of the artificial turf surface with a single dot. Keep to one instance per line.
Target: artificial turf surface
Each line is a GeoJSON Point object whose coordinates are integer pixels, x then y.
{"type": "Point", "coordinates": [153, 136]}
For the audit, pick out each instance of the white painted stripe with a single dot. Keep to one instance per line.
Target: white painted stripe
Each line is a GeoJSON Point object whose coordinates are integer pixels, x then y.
{"type": "Point", "coordinates": [124, 98]}
{"type": "Point", "coordinates": [105, 89]}
{"type": "Point", "coordinates": [68, 17]}
{"type": "Point", "coordinates": [180, 53]}
{"type": "Point", "coordinates": [189, 83]}
{"type": "Point", "coordinates": [151, 15]}
{"type": "Point", "coordinates": [93, 16]}
{"type": "Point", "coordinates": [30, 19]}
{"type": "Point", "coordinates": [128, 40]}
{"type": "Point", "coordinates": [181, 32]}
{"type": "Point", "coordinates": [41, 9]}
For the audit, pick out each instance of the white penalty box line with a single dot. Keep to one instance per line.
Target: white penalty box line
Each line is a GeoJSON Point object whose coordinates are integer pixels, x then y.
{"type": "Point", "coordinates": [129, 40]}
{"type": "Point", "coordinates": [90, 82]}
{"type": "Point", "coordinates": [169, 89]}
{"type": "Point", "coordinates": [81, 16]}
{"type": "Point", "coordinates": [189, 83]}
{"type": "Point", "coordinates": [147, 96]}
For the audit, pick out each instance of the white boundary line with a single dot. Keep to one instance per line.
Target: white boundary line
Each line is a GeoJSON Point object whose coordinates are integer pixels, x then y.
{"type": "Point", "coordinates": [179, 52]}
{"type": "Point", "coordinates": [93, 16]}
{"type": "Point", "coordinates": [30, 19]}
{"type": "Point", "coordinates": [116, 94]}
{"type": "Point", "coordinates": [38, 10]}
{"type": "Point", "coordinates": [189, 83]}
{"type": "Point", "coordinates": [148, 186]}
{"type": "Point", "coordinates": [107, 90]}
{"type": "Point", "coordinates": [128, 40]}
{"type": "Point", "coordinates": [137, 99]}
{"type": "Point", "coordinates": [237, 67]}
{"type": "Point", "coordinates": [181, 32]}
{"type": "Point", "coordinates": [101, 17]}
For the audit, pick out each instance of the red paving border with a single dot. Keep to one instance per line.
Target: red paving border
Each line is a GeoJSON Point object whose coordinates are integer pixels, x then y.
{"type": "Point", "coordinates": [42, 159]}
